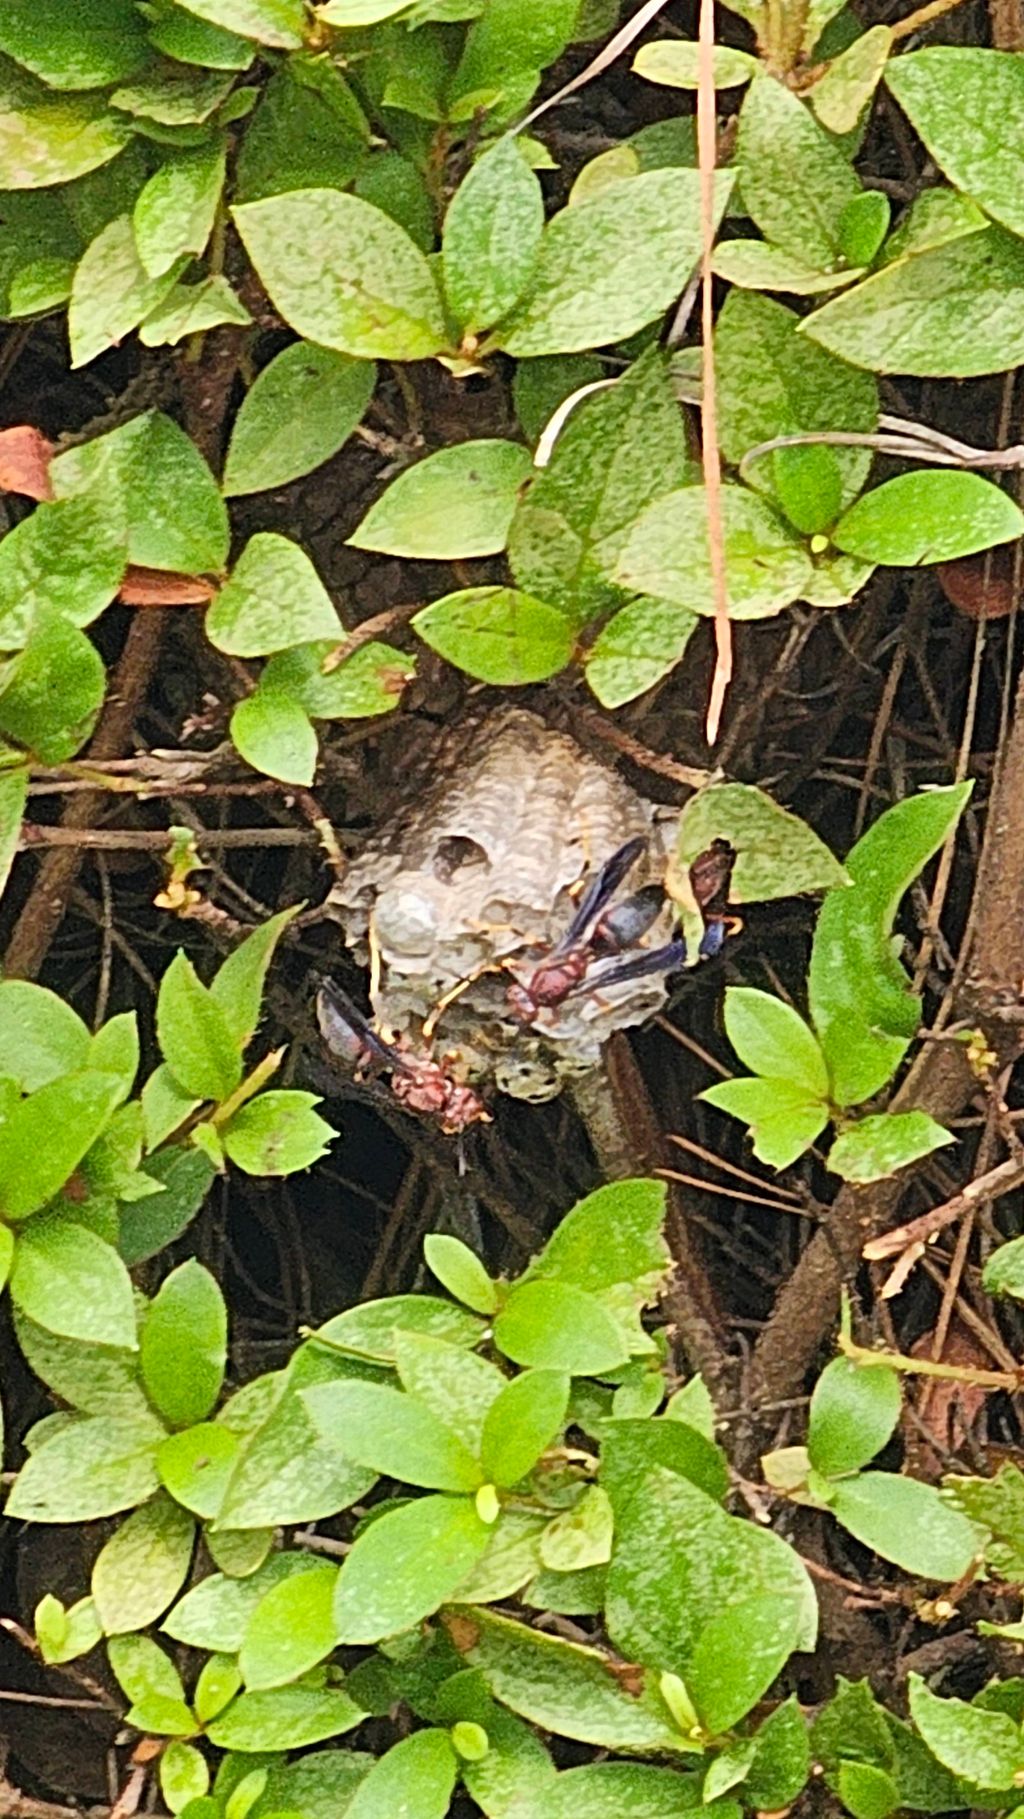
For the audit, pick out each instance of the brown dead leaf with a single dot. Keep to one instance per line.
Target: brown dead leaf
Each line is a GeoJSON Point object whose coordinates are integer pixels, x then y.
{"type": "Point", "coordinates": [944, 1409]}
{"type": "Point", "coordinates": [164, 587]}
{"type": "Point", "coordinates": [25, 456]}
{"type": "Point", "coordinates": [465, 1634]}
{"type": "Point", "coordinates": [982, 586]}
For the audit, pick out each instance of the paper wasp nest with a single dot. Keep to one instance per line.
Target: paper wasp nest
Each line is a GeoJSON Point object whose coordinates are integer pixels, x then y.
{"type": "Point", "coordinates": [479, 872]}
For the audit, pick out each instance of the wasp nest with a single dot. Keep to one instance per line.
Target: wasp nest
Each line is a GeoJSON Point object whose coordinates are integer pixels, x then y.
{"type": "Point", "coordinates": [469, 887]}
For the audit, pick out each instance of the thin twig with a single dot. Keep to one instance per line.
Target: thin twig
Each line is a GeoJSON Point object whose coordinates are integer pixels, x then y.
{"type": "Point", "coordinates": [997, 1181]}
{"type": "Point", "coordinates": [156, 840]}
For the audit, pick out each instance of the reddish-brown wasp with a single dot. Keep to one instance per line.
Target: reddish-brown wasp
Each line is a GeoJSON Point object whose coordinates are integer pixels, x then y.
{"type": "Point", "coordinates": [417, 1081]}
{"type": "Point", "coordinates": [591, 932]}
{"type": "Point", "coordinates": [710, 877]}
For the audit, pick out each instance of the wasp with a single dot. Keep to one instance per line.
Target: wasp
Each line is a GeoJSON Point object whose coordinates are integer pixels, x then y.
{"type": "Point", "coordinates": [417, 1081]}
{"type": "Point", "coordinates": [598, 931]}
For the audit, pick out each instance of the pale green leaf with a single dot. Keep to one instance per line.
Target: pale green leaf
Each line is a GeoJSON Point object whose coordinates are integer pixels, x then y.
{"type": "Point", "coordinates": [953, 96]}
{"type": "Point", "coordinates": [555, 1326]}
{"type": "Point", "coordinates": [854, 1410]}
{"type": "Point", "coordinates": [457, 502]}
{"type": "Point", "coordinates": [757, 265]}
{"type": "Point", "coordinates": [277, 1133]}
{"type": "Point", "coordinates": [414, 1779]}
{"type": "Point", "coordinates": [73, 47]}
{"type": "Point", "coordinates": [840, 96]}
{"type": "Point", "coordinates": [174, 211]}
{"type": "Point", "coordinates": [275, 735]}
{"type": "Point", "coordinates": [111, 292]}
{"type": "Point", "coordinates": [42, 1141]}
{"type": "Point", "coordinates": [983, 1747]}
{"type": "Point", "coordinates": [175, 514]}
{"type": "Point", "coordinates": [877, 1147]}
{"type": "Point", "coordinates": [908, 1523]}
{"type": "Point", "coordinates": [459, 1270]}
{"type": "Point", "coordinates": [283, 1718]}
{"type": "Point", "coordinates": [524, 1419]}
{"type": "Point", "coordinates": [183, 1345]}
{"type": "Point", "coordinates": [637, 647]}
{"type": "Point", "coordinates": [390, 1432]}
{"type": "Point", "coordinates": [405, 1564]}
{"type": "Point", "coordinates": [195, 1037]}
{"type": "Point", "coordinates": [47, 137]}
{"type": "Point", "coordinates": [673, 63]}
{"type": "Point", "coordinates": [191, 309]}
{"type": "Point", "coordinates": [778, 135]}
{"type": "Point", "coordinates": [297, 413]}
{"type": "Point", "coordinates": [369, 1331]}
{"type": "Point", "coordinates": [92, 1467]}
{"type": "Point", "coordinates": [41, 1037]}
{"type": "Point", "coordinates": [291, 1630]}
{"type": "Point", "coordinates": [279, 23]}
{"type": "Point", "coordinates": [274, 598]}
{"type": "Point", "coordinates": [612, 265]}
{"type": "Point", "coordinates": [784, 1118]}
{"type": "Point", "coordinates": [369, 292]}
{"type": "Point", "coordinates": [143, 1566]}
{"type": "Point", "coordinates": [771, 1038]}
{"type": "Point", "coordinates": [498, 634]}
{"type": "Point", "coordinates": [667, 554]}
{"type": "Point", "coordinates": [368, 682]}
{"type": "Point", "coordinates": [492, 232]}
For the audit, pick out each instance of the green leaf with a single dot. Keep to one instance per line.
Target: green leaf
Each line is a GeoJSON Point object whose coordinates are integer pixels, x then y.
{"type": "Point", "coordinates": [111, 292]}
{"type": "Point", "coordinates": [238, 1551]}
{"type": "Point", "coordinates": [97, 1379]}
{"type": "Point", "coordinates": [632, 1447]}
{"type": "Point", "coordinates": [782, 1758]}
{"type": "Point", "coordinates": [784, 1118]}
{"type": "Point", "coordinates": [176, 516]}
{"type": "Point", "coordinates": [415, 1778]}
{"type": "Point", "coordinates": [492, 233]}
{"type": "Point", "coordinates": [175, 210]}
{"type": "Point", "coordinates": [777, 136]}
{"type": "Point", "coordinates": [71, 1283]}
{"type": "Point", "coordinates": [949, 94]}
{"type": "Point", "coordinates": [983, 1747]}
{"type": "Point", "coordinates": [183, 1345]}
{"type": "Point", "coordinates": [457, 1268]}
{"type": "Point", "coordinates": [771, 1038]}
{"type": "Point", "coordinates": [370, 1331]}
{"type": "Point", "coordinates": [238, 985]}
{"type": "Point", "coordinates": [277, 1133]}
{"type": "Point", "coordinates": [151, 1681]}
{"type": "Point", "coordinates": [521, 1422]}
{"type": "Point", "coordinates": [283, 1718]}
{"type": "Point", "coordinates": [215, 1614]}
{"type": "Point", "coordinates": [540, 386]}
{"type": "Point", "coordinates": [392, 1433]}
{"type": "Point", "coordinates": [67, 557]}
{"type": "Point", "coordinates": [498, 634]}
{"type": "Point", "coordinates": [738, 1655]}
{"type": "Point", "coordinates": [368, 682]}
{"type": "Point", "coordinates": [637, 647]}
{"type": "Point", "coordinates": [370, 292]}
{"type": "Point", "coordinates": [191, 309]}
{"type": "Point", "coordinates": [396, 185]}
{"type": "Point", "coordinates": [1003, 1273]}
{"type": "Point", "coordinates": [947, 311]}
{"type": "Point", "coordinates": [219, 1680]}
{"type": "Point", "coordinates": [840, 96]}
{"type": "Point", "coordinates": [54, 692]}
{"type": "Point", "coordinates": [666, 553]}
{"type": "Point", "coordinates": [13, 797]}
{"type": "Point", "coordinates": [756, 265]}
{"type": "Point", "coordinates": [808, 487]}
{"type": "Point", "coordinates": [319, 1785]}
{"type": "Point", "coordinates": [64, 1635]}
{"type": "Point", "coordinates": [907, 1523]}
{"type": "Point", "coordinates": [74, 49]}
{"type": "Point", "coordinates": [933, 515]}
{"type": "Point", "coordinates": [44, 1138]}
{"type": "Point", "coordinates": [680, 1564]}
{"type": "Point", "coordinates": [188, 39]}
{"type": "Point", "coordinates": [580, 1537]}
{"type": "Point", "coordinates": [406, 1564]}
{"type": "Point", "coordinates": [50, 138]}
{"type": "Point", "coordinates": [196, 1464]}
{"type": "Point", "coordinates": [149, 1225]}
{"type": "Point", "coordinates": [273, 599]}
{"type": "Point", "coordinates": [196, 1039]}
{"type": "Point", "coordinates": [171, 94]}
{"type": "Point", "coordinates": [936, 217]}
{"type": "Point", "coordinates": [620, 449]}
{"type": "Point", "coordinates": [649, 226]}
{"type": "Point", "coordinates": [90, 1468]}
{"type": "Point", "coordinates": [673, 63]}
{"type": "Point", "coordinates": [867, 1792]}
{"type": "Point", "coordinates": [279, 23]}
{"type": "Point", "coordinates": [276, 736]}
{"type": "Point", "coordinates": [876, 1147]}
{"type": "Point", "coordinates": [143, 1566]}
{"type": "Point", "coordinates": [184, 1775]}
{"type": "Point", "coordinates": [41, 1037]}
{"type": "Point", "coordinates": [565, 1688]}
{"type": "Point", "coordinates": [854, 1410]}
{"type": "Point", "coordinates": [861, 1008]}
{"type": "Point", "coordinates": [291, 1629]}
{"type": "Point", "coordinates": [555, 1326]}
{"type": "Point", "coordinates": [308, 132]}
{"type": "Point", "coordinates": [299, 411]}
{"type": "Point", "coordinates": [863, 225]}
{"type": "Point", "coordinates": [457, 1387]}
{"type": "Point", "coordinates": [457, 502]}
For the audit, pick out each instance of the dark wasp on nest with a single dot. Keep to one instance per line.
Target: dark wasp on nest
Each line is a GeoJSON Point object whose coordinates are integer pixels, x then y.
{"type": "Point", "coordinates": [598, 932]}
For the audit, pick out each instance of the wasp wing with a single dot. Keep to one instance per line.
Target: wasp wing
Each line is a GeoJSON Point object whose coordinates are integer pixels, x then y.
{"type": "Point", "coordinates": [665, 959]}
{"type": "Point", "coordinates": [597, 894]}
{"type": "Point", "coordinates": [347, 1032]}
